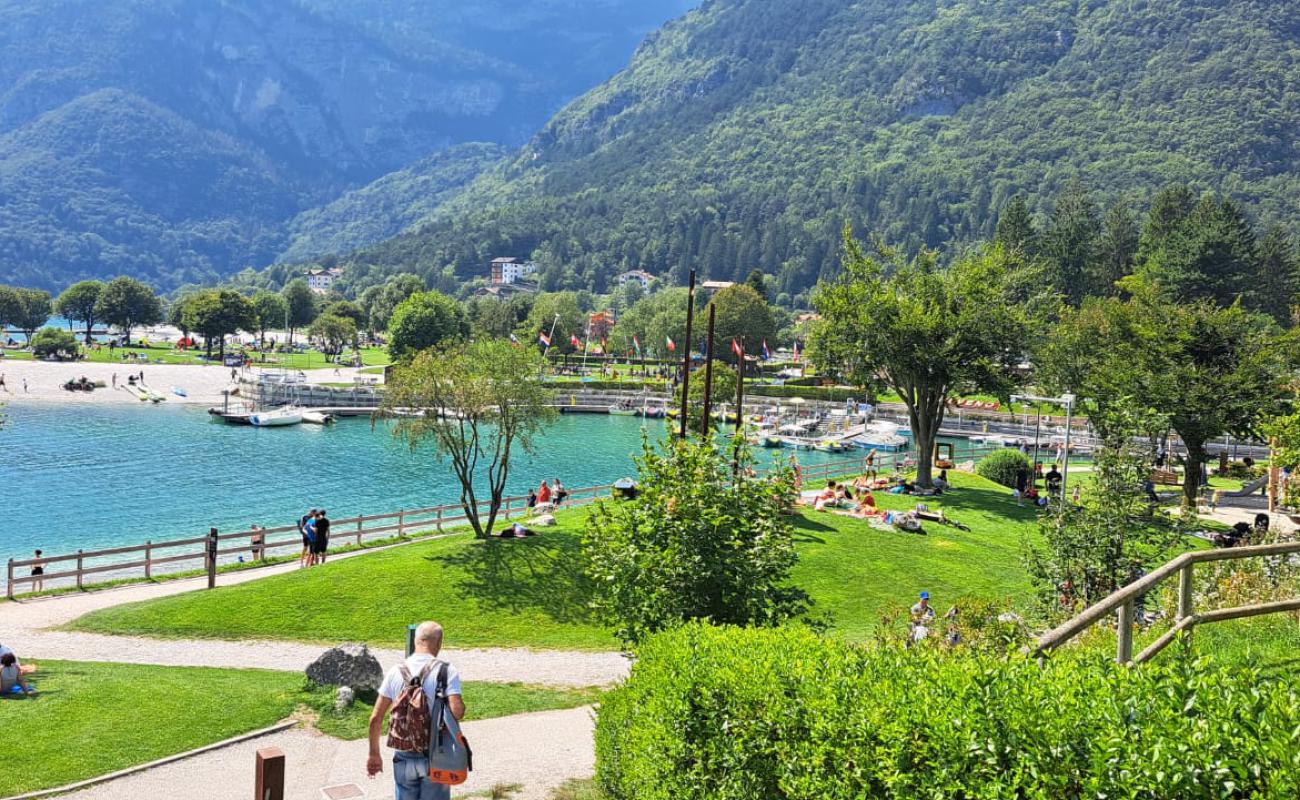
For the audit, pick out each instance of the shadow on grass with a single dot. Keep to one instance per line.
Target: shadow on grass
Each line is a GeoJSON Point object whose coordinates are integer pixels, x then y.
{"type": "Point", "coordinates": [542, 572]}
{"type": "Point", "coordinates": [804, 528]}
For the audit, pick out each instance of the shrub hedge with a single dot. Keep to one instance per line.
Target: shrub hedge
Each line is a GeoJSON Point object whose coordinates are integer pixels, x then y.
{"type": "Point", "coordinates": [1001, 466]}
{"type": "Point", "coordinates": [836, 394]}
{"type": "Point", "coordinates": [739, 714]}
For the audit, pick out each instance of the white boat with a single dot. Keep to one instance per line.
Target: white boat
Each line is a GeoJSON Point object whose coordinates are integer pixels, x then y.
{"type": "Point", "coordinates": [317, 418]}
{"type": "Point", "coordinates": [883, 436]}
{"type": "Point", "coordinates": [622, 411]}
{"type": "Point", "coordinates": [179, 392]}
{"type": "Point", "coordinates": [278, 418]}
{"type": "Point", "coordinates": [830, 446]}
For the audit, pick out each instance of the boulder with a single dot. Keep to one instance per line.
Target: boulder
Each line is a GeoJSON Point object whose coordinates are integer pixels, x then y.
{"type": "Point", "coordinates": [543, 521]}
{"type": "Point", "coordinates": [344, 697]}
{"type": "Point", "coordinates": [347, 665]}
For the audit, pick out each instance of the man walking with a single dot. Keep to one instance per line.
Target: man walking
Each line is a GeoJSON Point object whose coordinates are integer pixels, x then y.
{"type": "Point", "coordinates": [306, 524]}
{"type": "Point", "coordinates": [411, 768]}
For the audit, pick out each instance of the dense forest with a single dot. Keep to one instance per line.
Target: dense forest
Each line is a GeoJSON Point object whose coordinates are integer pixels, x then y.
{"type": "Point", "coordinates": [177, 140]}
{"type": "Point", "coordinates": [746, 134]}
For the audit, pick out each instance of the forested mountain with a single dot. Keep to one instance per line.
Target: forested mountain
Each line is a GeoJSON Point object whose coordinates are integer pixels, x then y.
{"type": "Point", "coordinates": [173, 139]}
{"type": "Point", "coordinates": [747, 133]}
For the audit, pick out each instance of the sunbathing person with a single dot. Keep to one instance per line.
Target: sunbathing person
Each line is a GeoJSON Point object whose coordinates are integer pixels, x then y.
{"type": "Point", "coordinates": [828, 498]}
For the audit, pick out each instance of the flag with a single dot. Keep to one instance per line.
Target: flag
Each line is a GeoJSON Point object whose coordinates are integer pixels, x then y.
{"type": "Point", "coordinates": [672, 346]}
{"type": "Point", "coordinates": [767, 354]}
{"type": "Point", "coordinates": [735, 348]}
{"type": "Point", "coordinates": [636, 345]}
{"type": "Point", "coordinates": [514, 340]}
{"type": "Point", "coordinates": [544, 339]}
{"type": "Point", "coordinates": [573, 340]}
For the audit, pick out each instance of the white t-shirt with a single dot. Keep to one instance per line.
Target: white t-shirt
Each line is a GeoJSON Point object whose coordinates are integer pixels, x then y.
{"type": "Point", "coordinates": [5, 651]}
{"type": "Point", "coordinates": [392, 685]}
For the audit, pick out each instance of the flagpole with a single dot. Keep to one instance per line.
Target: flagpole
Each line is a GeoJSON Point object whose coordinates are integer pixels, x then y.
{"type": "Point", "coordinates": [586, 345]}
{"type": "Point", "coordinates": [686, 359]}
{"type": "Point", "coordinates": [551, 338]}
{"type": "Point", "coordinates": [740, 405]}
{"type": "Point", "coordinates": [708, 376]}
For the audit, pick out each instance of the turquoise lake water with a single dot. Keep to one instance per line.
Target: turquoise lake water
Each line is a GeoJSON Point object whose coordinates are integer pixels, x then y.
{"type": "Point", "coordinates": [89, 477]}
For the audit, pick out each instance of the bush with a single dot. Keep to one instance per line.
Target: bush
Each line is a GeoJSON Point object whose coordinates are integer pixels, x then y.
{"type": "Point", "coordinates": [730, 714]}
{"type": "Point", "coordinates": [1001, 466]}
{"type": "Point", "coordinates": [54, 342]}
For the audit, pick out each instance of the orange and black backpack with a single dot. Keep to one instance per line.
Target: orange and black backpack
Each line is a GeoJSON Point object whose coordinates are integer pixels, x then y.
{"type": "Point", "coordinates": [412, 719]}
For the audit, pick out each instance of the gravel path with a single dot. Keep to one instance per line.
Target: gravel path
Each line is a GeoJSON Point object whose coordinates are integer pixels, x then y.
{"type": "Point", "coordinates": [536, 751]}
{"type": "Point", "coordinates": [24, 627]}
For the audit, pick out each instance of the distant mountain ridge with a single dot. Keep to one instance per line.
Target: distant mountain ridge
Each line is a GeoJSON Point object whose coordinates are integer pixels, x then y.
{"type": "Point", "coordinates": [295, 101]}
{"type": "Point", "coordinates": [745, 134]}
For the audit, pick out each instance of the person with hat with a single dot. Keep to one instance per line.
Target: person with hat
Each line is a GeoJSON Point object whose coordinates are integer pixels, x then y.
{"type": "Point", "coordinates": [922, 612]}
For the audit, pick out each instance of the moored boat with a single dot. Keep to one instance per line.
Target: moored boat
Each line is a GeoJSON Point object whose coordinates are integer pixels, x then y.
{"type": "Point", "coordinates": [278, 418]}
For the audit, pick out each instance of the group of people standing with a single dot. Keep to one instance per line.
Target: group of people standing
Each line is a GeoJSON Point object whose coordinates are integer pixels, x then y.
{"type": "Point", "coordinates": [548, 494]}
{"type": "Point", "coordinates": [315, 529]}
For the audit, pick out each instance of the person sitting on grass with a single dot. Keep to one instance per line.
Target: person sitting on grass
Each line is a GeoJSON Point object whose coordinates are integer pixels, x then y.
{"type": "Point", "coordinates": [828, 498]}
{"type": "Point", "coordinates": [866, 504]}
{"type": "Point", "coordinates": [941, 482]}
{"type": "Point", "coordinates": [863, 484]}
{"type": "Point", "coordinates": [11, 677]}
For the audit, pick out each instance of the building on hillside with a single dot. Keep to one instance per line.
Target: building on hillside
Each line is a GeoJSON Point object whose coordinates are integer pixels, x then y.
{"type": "Point", "coordinates": [507, 271]}
{"type": "Point", "coordinates": [713, 287]}
{"type": "Point", "coordinates": [322, 280]}
{"type": "Point", "coordinates": [638, 275]}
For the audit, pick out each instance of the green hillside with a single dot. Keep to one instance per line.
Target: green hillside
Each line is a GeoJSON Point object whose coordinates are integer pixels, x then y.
{"type": "Point", "coordinates": [747, 133]}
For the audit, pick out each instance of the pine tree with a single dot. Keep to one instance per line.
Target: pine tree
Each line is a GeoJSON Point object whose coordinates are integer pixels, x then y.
{"type": "Point", "coordinates": [1279, 275]}
{"type": "Point", "coordinates": [1169, 209]}
{"type": "Point", "coordinates": [1071, 241]}
{"type": "Point", "coordinates": [1116, 249]}
{"type": "Point", "coordinates": [1016, 227]}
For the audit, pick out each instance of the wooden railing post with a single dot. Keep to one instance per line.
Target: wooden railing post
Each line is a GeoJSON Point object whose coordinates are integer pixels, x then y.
{"type": "Point", "coordinates": [9, 591]}
{"type": "Point", "coordinates": [269, 783]}
{"type": "Point", "coordinates": [401, 523]}
{"type": "Point", "coordinates": [1186, 606]}
{"type": "Point", "coordinates": [81, 560]}
{"type": "Point", "coordinates": [212, 558]}
{"type": "Point", "coordinates": [358, 531]}
{"type": "Point", "coordinates": [438, 521]}
{"type": "Point", "coordinates": [148, 559]}
{"type": "Point", "coordinates": [1124, 631]}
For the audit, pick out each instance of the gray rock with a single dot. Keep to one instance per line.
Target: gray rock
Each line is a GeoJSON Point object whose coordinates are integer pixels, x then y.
{"type": "Point", "coordinates": [543, 521]}
{"type": "Point", "coordinates": [344, 697]}
{"type": "Point", "coordinates": [347, 665]}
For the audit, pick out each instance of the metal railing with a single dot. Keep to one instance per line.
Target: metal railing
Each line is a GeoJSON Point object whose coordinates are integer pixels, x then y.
{"type": "Point", "coordinates": [1123, 602]}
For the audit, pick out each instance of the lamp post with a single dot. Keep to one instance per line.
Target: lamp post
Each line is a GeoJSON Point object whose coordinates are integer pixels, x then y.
{"type": "Point", "coordinates": [1067, 400]}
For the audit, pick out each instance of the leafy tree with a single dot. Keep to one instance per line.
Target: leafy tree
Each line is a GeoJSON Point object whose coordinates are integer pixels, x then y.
{"type": "Point", "coordinates": [1207, 370]}
{"type": "Point", "coordinates": [78, 302]}
{"type": "Point", "coordinates": [924, 332]}
{"type": "Point", "coordinates": [53, 343]}
{"type": "Point", "coordinates": [1071, 242]}
{"type": "Point", "coordinates": [1116, 249]}
{"type": "Point", "coordinates": [758, 282]}
{"type": "Point", "coordinates": [425, 320]}
{"type": "Point", "coordinates": [302, 305]}
{"type": "Point", "coordinates": [379, 301]}
{"type": "Point", "coordinates": [218, 313]}
{"type": "Point", "coordinates": [640, 321]}
{"type": "Point", "coordinates": [557, 309]}
{"type": "Point", "coordinates": [1111, 537]}
{"type": "Point", "coordinates": [271, 309]}
{"type": "Point", "coordinates": [347, 308]}
{"type": "Point", "coordinates": [334, 331]}
{"type": "Point", "coordinates": [724, 391]}
{"type": "Point", "coordinates": [743, 315]}
{"type": "Point", "coordinates": [129, 303]}
{"type": "Point", "coordinates": [1016, 229]}
{"type": "Point", "coordinates": [497, 319]}
{"type": "Point", "coordinates": [24, 309]}
{"type": "Point", "coordinates": [482, 403]}
{"type": "Point", "coordinates": [695, 544]}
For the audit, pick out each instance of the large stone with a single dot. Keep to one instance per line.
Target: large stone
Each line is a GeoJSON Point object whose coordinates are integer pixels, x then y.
{"type": "Point", "coordinates": [344, 697]}
{"type": "Point", "coordinates": [347, 665]}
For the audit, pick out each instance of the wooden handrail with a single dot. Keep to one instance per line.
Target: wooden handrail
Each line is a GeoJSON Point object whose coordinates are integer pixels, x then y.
{"type": "Point", "coordinates": [1122, 600]}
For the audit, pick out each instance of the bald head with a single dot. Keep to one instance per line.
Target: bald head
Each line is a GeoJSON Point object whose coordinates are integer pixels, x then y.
{"type": "Point", "coordinates": [428, 638]}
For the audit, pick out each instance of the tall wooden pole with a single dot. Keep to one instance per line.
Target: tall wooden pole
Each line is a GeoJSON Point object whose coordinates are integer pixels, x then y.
{"type": "Point", "coordinates": [708, 376]}
{"type": "Point", "coordinates": [740, 408]}
{"type": "Point", "coordinates": [686, 357]}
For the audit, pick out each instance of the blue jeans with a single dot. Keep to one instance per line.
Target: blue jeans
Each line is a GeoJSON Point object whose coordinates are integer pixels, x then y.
{"type": "Point", "coordinates": [411, 772]}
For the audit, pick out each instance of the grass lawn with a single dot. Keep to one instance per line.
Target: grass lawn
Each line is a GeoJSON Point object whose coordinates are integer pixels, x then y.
{"type": "Point", "coordinates": [531, 593]}
{"type": "Point", "coordinates": [86, 718]}
{"type": "Point", "coordinates": [165, 353]}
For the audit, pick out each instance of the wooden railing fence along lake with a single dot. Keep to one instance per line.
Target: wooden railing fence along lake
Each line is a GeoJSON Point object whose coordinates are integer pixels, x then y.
{"type": "Point", "coordinates": [207, 552]}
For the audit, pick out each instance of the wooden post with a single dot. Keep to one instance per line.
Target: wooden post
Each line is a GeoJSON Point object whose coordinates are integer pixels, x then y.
{"type": "Point", "coordinates": [148, 559]}
{"type": "Point", "coordinates": [1185, 599]}
{"type": "Point", "coordinates": [212, 558]}
{"type": "Point", "coordinates": [269, 783]}
{"type": "Point", "coordinates": [358, 531]}
{"type": "Point", "coordinates": [686, 357]}
{"type": "Point", "coordinates": [401, 523]}
{"type": "Point", "coordinates": [80, 562]}
{"type": "Point", "coordinates": [9, 591]}
{"type": "Point", "coordinates": [438, 521]}
{"type": "Point", "coordinates": [1124, 643]}
{"type": "Point", "coordinates": [740, 407]}
{"type": "Point", "coordinates": [708, 376]}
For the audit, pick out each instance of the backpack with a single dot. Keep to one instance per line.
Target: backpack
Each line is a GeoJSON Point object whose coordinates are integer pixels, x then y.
{"type": "Point", "coordinates": [412, 719]}
{"type": "Point", "coordinates": [450, 757]}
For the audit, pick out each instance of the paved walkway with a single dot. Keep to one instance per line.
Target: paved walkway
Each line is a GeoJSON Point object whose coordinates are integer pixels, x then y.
{"type": "Point", "coordinates": [24, 627]}
{"type": "Point", "coordinates": [536, 751]}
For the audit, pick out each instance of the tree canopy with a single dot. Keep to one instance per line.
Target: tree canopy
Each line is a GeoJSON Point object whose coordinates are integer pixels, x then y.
{"type": "Point", "coordinates": [128, 304]}
{"type": "Point", "coordinates": [78, 303]}
{"type": "Point", "coordinates": [425, 320]}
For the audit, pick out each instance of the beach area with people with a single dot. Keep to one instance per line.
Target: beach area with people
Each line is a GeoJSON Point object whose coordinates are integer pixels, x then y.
{"type": "Point", "coordinates": [43, 381]}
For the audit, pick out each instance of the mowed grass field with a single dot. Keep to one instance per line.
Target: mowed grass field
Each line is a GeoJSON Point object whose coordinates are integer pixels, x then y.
{"type": "Point", "coordinates": [532, 593]}
{"type": "Point", "coordinates": [89, 719]}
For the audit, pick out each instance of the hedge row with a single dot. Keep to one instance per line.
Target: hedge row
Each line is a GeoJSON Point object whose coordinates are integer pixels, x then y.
{"type": "Point", "coordinates": [836, 394]}
{"type": "Point", "coordinates": [728, 714]}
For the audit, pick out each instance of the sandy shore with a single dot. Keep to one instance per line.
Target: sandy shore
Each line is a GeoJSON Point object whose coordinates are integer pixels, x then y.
{"type": "Point", "coordinates": [42, 382]}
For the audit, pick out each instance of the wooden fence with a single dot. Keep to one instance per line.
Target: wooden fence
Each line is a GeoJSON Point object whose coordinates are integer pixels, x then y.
{"type": "Point", "coordinates": [205, 552]}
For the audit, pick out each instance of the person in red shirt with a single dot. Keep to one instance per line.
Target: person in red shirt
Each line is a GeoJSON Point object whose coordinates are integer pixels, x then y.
{"type": "Point", "coordinates": [544, 493]}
